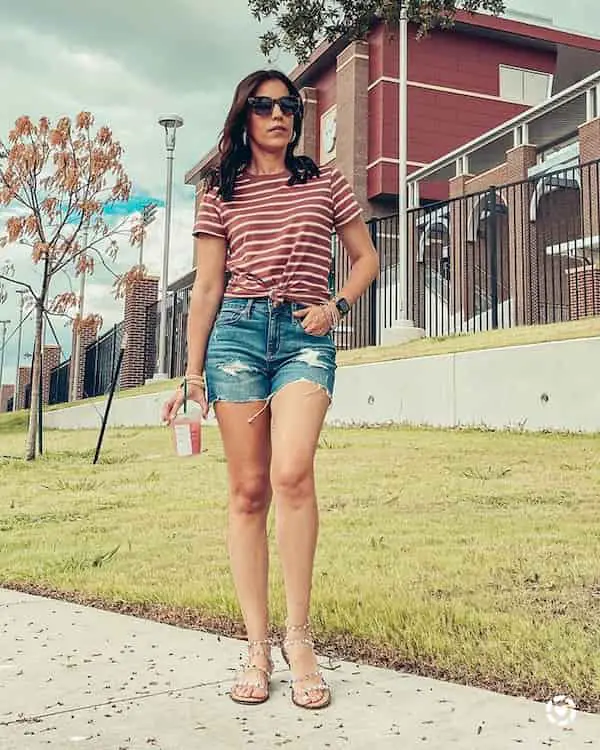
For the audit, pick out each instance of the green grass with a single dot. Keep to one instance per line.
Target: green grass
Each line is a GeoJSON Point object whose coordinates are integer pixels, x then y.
{"type": "Point", "coordinates": [470, 555]}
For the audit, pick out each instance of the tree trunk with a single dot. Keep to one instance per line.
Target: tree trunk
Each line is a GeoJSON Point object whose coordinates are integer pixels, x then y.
{"type": "Point", "coordinates": [36, 384]}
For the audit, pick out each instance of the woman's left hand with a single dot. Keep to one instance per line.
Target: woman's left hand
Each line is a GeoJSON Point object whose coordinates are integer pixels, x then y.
{"type": "Point", "coordinates": [315, 320]}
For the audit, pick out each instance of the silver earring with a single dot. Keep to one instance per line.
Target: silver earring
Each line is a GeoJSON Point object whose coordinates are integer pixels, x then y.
{"type": "Point", "coordinates": [245, 137]}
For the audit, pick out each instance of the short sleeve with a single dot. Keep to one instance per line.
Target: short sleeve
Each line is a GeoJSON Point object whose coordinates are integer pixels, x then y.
{"type": "Point", "coordinates": [345, 205]}
{"type": "Point", "coordinates": [208, 216]}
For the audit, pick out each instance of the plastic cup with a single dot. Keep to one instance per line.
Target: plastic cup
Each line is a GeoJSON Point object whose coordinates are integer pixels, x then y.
{"type": "Point", "coordinates": [187, 433]}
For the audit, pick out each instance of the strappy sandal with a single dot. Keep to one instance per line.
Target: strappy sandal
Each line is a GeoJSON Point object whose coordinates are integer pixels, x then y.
{"type": "Point", "coordinates": [263, 676]}
{"type": "Point", "coordinates": [308, 693]}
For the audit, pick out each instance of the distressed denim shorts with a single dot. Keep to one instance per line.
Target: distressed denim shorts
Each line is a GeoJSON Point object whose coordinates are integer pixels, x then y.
{"type": "Point", "coordinates": [257, 347]}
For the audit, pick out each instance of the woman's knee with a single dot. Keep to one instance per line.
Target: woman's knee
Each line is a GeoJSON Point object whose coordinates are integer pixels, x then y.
{"type": "Point", "coordinates": [250, 494]}
{"type": "Point", "coordinates": [293, 481]}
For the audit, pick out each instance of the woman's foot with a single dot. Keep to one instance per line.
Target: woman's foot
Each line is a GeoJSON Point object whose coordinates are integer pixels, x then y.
{"type": "Point", "coordinates": [251, 686]}
{"type": "Point", "coordinates": [309, 689]}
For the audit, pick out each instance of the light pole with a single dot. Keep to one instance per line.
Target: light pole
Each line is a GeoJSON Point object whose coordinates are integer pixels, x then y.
{"type": "Point", "coordinates": [21, 293]}
{"type": "Point", "coordinates": [403, 321]}
{"type": "Point", "coordinates": [148, 216]}
{"type": "Point", "coordinates": [170, 123]}
{"type": "Point", "coordinates": [3, 323]}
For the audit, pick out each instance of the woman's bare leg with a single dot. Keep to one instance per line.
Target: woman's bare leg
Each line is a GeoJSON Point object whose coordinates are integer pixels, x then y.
{"type": "Point", "coordinates": [298, 411]}
{"type": "Point", "coordinates": [248, 452]}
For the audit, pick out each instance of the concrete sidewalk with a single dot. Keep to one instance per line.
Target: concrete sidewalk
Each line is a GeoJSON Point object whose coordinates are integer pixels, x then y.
{"type": "Point", "coordinates": [72, 676]}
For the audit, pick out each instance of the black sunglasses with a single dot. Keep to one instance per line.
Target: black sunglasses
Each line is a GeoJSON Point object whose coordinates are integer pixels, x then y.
{"type": "Point", "coordinates": [263, 105]}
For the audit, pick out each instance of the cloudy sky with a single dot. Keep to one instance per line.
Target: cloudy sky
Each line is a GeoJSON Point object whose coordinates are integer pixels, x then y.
{"type": "Point", "coordinates": [128, 61]}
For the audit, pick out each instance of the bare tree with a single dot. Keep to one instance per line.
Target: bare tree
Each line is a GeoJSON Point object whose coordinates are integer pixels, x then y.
{"type": "Point", "coordinates": [59, 182]}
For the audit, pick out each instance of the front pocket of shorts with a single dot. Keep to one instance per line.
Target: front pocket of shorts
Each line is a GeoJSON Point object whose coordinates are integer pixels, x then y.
{"type": "Point", "coordinates": [229, 315]}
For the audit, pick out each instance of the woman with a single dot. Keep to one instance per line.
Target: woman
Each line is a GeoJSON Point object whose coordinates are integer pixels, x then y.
{"type": "Point", "coordinates": [260, 328]}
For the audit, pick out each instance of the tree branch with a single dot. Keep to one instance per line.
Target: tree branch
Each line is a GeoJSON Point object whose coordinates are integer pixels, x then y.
{"type": "Point", "coordinates": [19, 283]}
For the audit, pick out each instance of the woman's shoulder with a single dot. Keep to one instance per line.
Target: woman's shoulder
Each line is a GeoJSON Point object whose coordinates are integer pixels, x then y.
{"type": "Point", "coordinates": [330, 173]}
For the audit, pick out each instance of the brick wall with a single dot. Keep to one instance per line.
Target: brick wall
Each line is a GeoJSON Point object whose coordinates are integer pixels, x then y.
{"type": "Point", "coordinates": [486, 180]}
{"type": "Point", "coordinates": [524, 273]}
{"type": "Point", "coordinates": [24, 381]}
{"type": "Point", "coordinates": [51, 359]}
{"type": "Point", "coordinates": [584, 292]}
{"type": "Point", "coordinates": [86, 336]}
{"type": "Point", "coordinates": [141, 294]}
{"type": "Point", "coordinates": [352, 131]}
{"type": "Point", "coordinates": [6, 393]}
{"type": "Point", "coordinates": [589, 151]}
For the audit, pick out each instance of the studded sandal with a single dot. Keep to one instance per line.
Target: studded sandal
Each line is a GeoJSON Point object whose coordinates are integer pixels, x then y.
{"type": "Point", "coordinates": [263, 676]}
{"type": "Point", "coordinates": [314, 696]}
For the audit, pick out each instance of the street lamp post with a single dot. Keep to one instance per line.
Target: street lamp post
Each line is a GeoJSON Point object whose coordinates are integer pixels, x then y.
{"type": "Point", "coordinates": [3, 323]}
{"type": "Point", "coordinates": [170, 123]}
{"type": "Point", "coordinates": [403, 324]}
{"type": "Point", "coordinates": [21, 293]}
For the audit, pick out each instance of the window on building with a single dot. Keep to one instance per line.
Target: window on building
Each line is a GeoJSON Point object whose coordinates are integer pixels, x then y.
{"type": "Point", "coordinates": [529, 87]}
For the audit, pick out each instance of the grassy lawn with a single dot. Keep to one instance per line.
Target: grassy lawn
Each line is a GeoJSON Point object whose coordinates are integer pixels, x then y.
{"type": "Point", "coordinates": [467, 555]}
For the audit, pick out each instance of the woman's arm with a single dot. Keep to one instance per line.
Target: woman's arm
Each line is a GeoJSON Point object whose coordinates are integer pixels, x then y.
{"type": "Point", "coordinates": [206, 297]}
{"type": "Point", "coordinates": [364, 260]}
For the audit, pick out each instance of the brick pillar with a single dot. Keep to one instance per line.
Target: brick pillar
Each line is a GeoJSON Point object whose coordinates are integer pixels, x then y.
{"type": "Point", "coordinates": [6, 394]}
{"type": "Point", "coordinates": [523, 253]}
{"type": "Point", "coordinates": [589, 151]}
{"type": "Point", "coordinates": [308, 143]}
{"type": "Point", "coordinates": [584, 292]}
{"type": "Point", "coordinates": [87, 336]}
{"type": "Point", "coordinates": [141, 294]}
{"type": "Point", "coordinates": [352, 82]}
{"type": "Point", "coordinates": [51, 359]}
{"type": "Point", "coordinates": [24, 381]}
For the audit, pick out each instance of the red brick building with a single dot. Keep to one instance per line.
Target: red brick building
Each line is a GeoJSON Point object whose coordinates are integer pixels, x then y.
{"type": "Point", "coordinates": [461, 83]}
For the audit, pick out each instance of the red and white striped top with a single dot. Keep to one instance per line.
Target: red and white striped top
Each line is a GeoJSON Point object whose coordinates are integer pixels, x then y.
{"type": "Point", "coordinates": [279, 236]}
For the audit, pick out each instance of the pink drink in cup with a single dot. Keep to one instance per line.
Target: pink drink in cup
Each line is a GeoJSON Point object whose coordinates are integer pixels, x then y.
{"type": "Point", "coordinates": [186, 429]}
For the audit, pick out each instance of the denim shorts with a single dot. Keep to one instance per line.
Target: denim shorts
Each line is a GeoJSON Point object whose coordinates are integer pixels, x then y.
{"type": "Point", "coordinates": [256, 347]}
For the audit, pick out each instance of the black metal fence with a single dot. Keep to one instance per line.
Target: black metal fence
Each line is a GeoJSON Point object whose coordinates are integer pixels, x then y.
{"type": "Point", "coordinates": [100, 361]}
{"type": "Point", "coordinates": [178, 305]}
{"type": "Point", "coordinates": [517, 254]}
{"type": "Point", "coordinates": [59, 383]}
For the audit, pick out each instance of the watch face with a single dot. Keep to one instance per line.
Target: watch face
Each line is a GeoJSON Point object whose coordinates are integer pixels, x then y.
{"type": "Point", "coordinates": [343, 306]}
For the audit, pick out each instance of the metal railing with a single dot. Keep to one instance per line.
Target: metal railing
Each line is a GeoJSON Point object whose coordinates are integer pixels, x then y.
{"type": "Point", "coordinates": [59, 383]}
{"type": "Point", "coordinates": [100, 361]}
{"type": "Point", "coordinates": [178, 304]}
{"type": "Point", "coordinates": [517, 254]}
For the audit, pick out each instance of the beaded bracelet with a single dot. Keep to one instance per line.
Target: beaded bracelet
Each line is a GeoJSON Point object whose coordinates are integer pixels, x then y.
{"type": "Point", "coordinates": [194, 379]}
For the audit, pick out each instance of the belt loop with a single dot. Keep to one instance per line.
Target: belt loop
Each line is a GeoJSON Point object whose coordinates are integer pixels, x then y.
{"type": "Point", "coordinates": [249, 306]}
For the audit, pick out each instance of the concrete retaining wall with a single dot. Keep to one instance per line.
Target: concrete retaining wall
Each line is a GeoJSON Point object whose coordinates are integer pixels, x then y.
{"type": "Point", "coordinates": [552, 386]}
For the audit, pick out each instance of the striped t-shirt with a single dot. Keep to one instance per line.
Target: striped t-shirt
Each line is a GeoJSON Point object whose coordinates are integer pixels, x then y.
{"type": "Point", "coordinates": [278, 236]}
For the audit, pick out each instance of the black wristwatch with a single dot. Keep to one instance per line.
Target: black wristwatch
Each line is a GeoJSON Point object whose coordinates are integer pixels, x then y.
{"type": "Point", "coordinates": [342, 305]}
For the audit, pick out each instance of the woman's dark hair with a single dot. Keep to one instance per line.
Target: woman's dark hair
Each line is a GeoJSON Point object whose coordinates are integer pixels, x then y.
{"type": "Point", "coordinates": [235, 154]}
